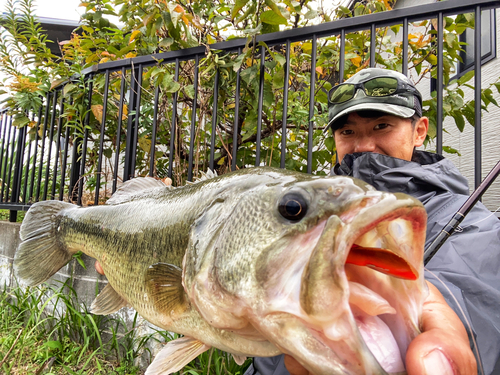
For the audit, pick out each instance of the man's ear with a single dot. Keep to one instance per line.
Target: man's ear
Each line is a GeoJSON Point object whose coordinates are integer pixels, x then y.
{"type": "Point", "coordinates": [420, 131]}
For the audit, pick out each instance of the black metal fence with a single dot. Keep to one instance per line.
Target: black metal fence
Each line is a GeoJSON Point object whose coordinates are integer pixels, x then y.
{"type": "Point", "coordinates": [127, 128]}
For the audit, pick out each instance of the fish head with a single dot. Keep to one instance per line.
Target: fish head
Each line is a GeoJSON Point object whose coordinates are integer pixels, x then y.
{"type": "Point", "coordinates": [328, 269]}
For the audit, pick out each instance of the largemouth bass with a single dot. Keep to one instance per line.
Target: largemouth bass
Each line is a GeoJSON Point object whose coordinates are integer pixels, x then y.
{"type": "Point", "coordinates": [256, 262]}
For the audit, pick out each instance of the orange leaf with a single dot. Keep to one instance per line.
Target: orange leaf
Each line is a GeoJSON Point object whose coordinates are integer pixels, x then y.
{"type": "Point", "coordinates": [356, 61]}
{"type": "Point", "coordinates": [134, 35]}
{"type": "Point", "coordinates": [97, 111]}
{"type": "Point", "coordinates": [56, 83]}
{"type": "Point", "coordinates": [124, 112]}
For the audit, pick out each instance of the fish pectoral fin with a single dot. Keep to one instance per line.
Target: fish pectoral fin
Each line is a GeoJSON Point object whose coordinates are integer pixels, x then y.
{"type": "Point", "coordinates": [164, 287]}
{"type": "Point", "coordinates": [175, 355]}
{"type": "Point", "coordinates": [239, 359]}
{"type": "Point", "coordinates": [107, 302]}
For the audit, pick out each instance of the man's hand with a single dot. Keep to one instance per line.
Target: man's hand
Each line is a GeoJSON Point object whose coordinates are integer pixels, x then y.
{"type": "Point", "coordinates": [442, 348]}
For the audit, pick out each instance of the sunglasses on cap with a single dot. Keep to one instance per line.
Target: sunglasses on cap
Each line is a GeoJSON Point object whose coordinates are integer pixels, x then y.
{"type": "Point", "coordinates": [374, 87]}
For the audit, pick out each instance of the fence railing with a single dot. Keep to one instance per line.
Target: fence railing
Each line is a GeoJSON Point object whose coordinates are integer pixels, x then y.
{"type": "Point", "coordinates": [174, 114]}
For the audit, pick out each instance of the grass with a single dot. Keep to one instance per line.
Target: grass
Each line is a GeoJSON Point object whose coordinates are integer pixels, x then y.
{"type": "Point", "coordinates": [44, 330]}
{"type": "Point", "coordinates": [64, 339]}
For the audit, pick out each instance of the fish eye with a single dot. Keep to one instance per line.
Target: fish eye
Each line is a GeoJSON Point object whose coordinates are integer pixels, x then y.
{"type": "Point", "coordinates": [292, 206]}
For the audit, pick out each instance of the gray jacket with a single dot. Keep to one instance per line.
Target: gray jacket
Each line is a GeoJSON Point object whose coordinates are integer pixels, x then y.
{"type": "Point", "coordinates": [467, 267]}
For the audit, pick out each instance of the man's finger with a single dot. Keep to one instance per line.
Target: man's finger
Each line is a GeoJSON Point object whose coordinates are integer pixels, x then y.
{"type": "Point", "coordinates": [98, 268]}
{"type": "Point", "coordinates": [294, 367]}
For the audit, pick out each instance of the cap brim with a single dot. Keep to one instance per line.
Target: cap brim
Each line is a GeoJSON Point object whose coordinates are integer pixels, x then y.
{"type": "Point", "coordinates": [390, 109]}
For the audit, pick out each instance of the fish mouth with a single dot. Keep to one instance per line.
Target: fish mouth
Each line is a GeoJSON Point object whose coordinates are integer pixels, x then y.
{"type": "Point", "coordinates": [362, 290]}
{"type": "Point", "coordinates": [384, 273]}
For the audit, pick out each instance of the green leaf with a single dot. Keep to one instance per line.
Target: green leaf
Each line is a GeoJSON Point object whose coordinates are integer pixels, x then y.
{"type": "Point", "coordinates": [488, 94]}
{"type": "Point", "coordinates": [250, 74]}
{"type": "Point", "coordinates": [466, 77]}
{"type": "Point", "coordinates": [279, 59]}
{"type": "Point", "coordinates": [432, 59]}
{"type": "Point", "coordinates": [268, 28]}
{"type": "Point", "coordinates": [359, 10]}
{"type": "Point", "coordinates": [189, 90]}
{"type": "Point", "coordinates": [166, 42]}
{"type": "Point", "coordinates": [278, 79]}
{"type": "Point", "coordinates": [269, 98]}
{"type": "Point", "coordinates": [450, 39]}
{"type": "Point", "coordinates": [69, 88]}
{"type": "Point", "coordinates": [20, 121]}
{"type": "Point", "coordinates": [469, 112]}
{"type": "Point", "coordinates": [448, 21]}
{"type": "Point", "coordinates": [145, 144]}
{"type": "Point", "coordinates": [451, 150]}
{"type": "Point", "coordinates": [432, 128]}
{"type": "Point", "coordinates": [312, 14]}
{"type": "Point", "coordinates": [345, 10]}
{"type": "Point", "coordinates": [88, 29]}
{"type": "Point", "coordinates": [418, 68]}
{"type": "Point", "coordinates": [78, 257]}
{"type": "Point", "coordinates": [459, 120]}
{"type": "Point", "coordinates": [238, 61]}
{"type": "Point", "coordinates": [108, 152]}
{"type": "Point", "coordinates": [329, 143]}
{"type": "Point", "coordinates": [54, 345]}
{"type": "Point", "coordinates": [170, 85]}
{"type": "Point", "coordinates": [239, 4]}
{"type": "Point", "coordinates": [271, 4]}
{"type": "Point", "coordinates": [272, 18]}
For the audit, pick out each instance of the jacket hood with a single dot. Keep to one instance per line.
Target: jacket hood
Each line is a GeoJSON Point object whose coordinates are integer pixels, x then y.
{"type": "Point", "coordinates": [425, 176]}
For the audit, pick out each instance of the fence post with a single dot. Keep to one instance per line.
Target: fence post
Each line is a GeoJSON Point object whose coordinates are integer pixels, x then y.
{"type": "Point", "coordinates": [76, 155]}
{"type": "Point", "coordinates": [128, 169]}
{"type": "Point", "coordinates": [18, 169]}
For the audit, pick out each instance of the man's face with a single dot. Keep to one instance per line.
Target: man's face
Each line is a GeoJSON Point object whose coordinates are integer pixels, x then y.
{"type": "Point", "coordinates": [388, 135]}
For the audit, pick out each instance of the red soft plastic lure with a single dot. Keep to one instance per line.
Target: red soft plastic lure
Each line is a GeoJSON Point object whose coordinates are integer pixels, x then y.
{"type": "Point", "coordinates": [381, 260]}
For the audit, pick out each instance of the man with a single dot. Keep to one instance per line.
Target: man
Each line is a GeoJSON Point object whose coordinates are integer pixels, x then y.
{"type": "Point", "coordinates": [376, 119]}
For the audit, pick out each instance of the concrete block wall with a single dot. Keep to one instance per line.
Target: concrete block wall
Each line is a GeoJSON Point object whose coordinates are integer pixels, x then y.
{"type": "Point", "coordinates": [86, 282]}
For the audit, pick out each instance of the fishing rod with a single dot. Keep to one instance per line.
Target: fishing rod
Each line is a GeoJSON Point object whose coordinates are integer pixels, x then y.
{"type": "Point", "coordinates": [461, 213]}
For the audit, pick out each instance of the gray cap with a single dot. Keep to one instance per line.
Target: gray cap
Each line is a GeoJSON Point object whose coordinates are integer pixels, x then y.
{"type": "Point", "coordinates": [404, 104]}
